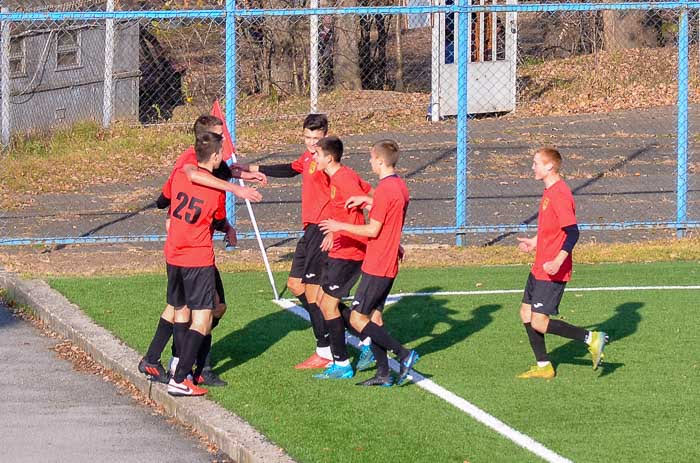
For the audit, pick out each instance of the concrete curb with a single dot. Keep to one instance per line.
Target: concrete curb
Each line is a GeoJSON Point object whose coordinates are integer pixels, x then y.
{"type": "Point", "coordinates": [229, 432]}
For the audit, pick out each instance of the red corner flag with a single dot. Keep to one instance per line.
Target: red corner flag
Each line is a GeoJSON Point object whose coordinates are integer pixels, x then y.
{"type": "Point", "coordinates": [229, 149]}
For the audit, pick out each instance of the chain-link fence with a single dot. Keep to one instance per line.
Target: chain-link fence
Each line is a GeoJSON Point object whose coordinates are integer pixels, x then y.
{"type": "Point", "coordinates": [599, 81]}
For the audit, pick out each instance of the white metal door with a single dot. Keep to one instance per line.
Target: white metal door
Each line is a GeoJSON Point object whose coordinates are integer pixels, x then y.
{"type": "Point", "coordinates": [492, 62]}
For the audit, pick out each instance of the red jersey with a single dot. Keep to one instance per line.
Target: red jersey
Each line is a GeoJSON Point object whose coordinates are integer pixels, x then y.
{"type": "Point", "coordinates": [189, 156]}
{"type": "Point", "coordinates": [343, 184]}
{"type": "Point", "coordinates": [315, 190]}
{"type": "Point", "coordinates": [194, 208]}
{"type": "Point", "coordinates": [557, 210]}
{"type": "Point", "coordinates": [388, 207]}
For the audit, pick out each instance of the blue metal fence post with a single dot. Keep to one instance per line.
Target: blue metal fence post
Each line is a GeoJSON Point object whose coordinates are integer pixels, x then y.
{"type": "Point", "coordinates": [462, 117]}
{"type": "Point", "coordinates": [231, 94]}
{"type": "Point", "coordinates": [682, 163]}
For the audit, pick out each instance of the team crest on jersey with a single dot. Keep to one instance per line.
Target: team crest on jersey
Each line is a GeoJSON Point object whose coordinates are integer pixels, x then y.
{"type": "Point", "coordinates": [545, 203]}
{"type": "Point", "coordinates": [312, 167]}
{"type": "Point", "coordinates": [333, 192]}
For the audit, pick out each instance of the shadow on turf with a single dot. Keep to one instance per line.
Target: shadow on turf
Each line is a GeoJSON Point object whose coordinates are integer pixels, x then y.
{"type": "Point", "coordinates": [249, 342]}
{"type": "Point", "coordinates": [416, 317]}
{"type": "Point", "coordinates": [622, 324]}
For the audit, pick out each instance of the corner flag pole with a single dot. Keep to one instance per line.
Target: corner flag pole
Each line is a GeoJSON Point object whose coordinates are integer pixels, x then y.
{"type": "Point", "coordinates": [260, 243]}
{"type": "Point", "coordinates": [231, 151]}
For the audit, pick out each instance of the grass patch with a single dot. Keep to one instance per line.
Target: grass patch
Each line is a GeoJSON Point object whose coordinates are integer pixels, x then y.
{"type": "Point", "coordinates": [473, 346]}
{"type": "Point", "coordinates": [72, 159]}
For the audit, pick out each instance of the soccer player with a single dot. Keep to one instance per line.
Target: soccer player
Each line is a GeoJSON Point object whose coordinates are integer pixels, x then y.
{"type": "Point", "coordinates": [381, 263]}
{"type": "Point", "coordinates": [189, 254]}
{"type": "Point", "coordinates": [345, 257]}
{"type": "Point", "coordinates": [177, 323]}
{"type": "Point", "coordinates": [311, 250]}
{"type": "Point", "coordinates": [557, 233]}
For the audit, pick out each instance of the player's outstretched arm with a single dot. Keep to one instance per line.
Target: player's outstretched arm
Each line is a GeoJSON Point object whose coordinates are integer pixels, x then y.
{"type": "Point", "coordinates": [370, 230]}
{"type": "Point", "coordinates": [242, 171]}
{"type": "Point", "coordinates": [205, 179]}
{"type": "Point", "coordinates": [359, 201]}
{"type": "Point", "coordinates": [275, 170]}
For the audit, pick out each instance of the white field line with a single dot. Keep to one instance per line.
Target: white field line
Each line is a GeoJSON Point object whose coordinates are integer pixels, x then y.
{"type": "Point", "coordinates": [394, 298]}
{"type": "Point", "coordinates": [481, 416]}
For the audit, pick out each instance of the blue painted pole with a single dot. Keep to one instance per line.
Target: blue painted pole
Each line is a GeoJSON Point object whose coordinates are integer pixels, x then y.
{"type": "Point", "coordinates": [231, 94]}
{"type": "Point", "coordinates": [462, 117]}
{"type": "Point", "coordinates": [682, 164]}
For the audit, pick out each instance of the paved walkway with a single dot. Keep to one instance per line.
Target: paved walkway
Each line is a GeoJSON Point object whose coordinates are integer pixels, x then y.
{"type": "Point", "coordinates": [52, 413]}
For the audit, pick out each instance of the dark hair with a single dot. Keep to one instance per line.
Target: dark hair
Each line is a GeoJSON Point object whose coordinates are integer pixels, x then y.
{"type": "Point", "coordinates": [316, 122]}
{"type": "Point", "coordinates": [206, 145]}
{"type": "Point", "coordinates": [331, 145]}
{"type": "Point", "coordinates": [388, 150]}
{"type": "Point", "coordinates": [552, 155]}
{"type": "Point", "coordinates": [205, 123]}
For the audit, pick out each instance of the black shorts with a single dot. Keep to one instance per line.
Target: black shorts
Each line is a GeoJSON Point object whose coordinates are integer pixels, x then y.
{"type": "Point", "coordinates": [219, 286]}
{"type": "Point", "coordinates": [543, 296]}
{"type": "Point", "coordinates": [309, 260]}
{"type": "Point", "coordinates": [191, 286]}
{"type": "Point", "coordinates": [372, 293]}
{"type": "Point", "coordinates": [339, 276]}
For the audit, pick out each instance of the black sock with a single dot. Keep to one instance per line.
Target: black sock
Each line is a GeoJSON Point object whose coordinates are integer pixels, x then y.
{"type": "Point", "coordinates": [381, 358]}
{"type": "Point", "coordinates": [188, 353]}
{"type": "Point", "coordinates": [345, 311]}
{"type": "Point", "coordinates": [304, 301]}
{"type": "Point", "coordinates": [319, 326]}
{"type": "Point", "coordinates": [537, 343]}
{"type": "Point", "coordinates": [202, 355]}
{"type": "Point", "coordinates": [563, 329]}
{"type": "Point", "coordinates": [160, 339]}
{"type": "Point", "coordinates": [215, 322]}
{"type": "Point", "coordinates": [179, 334]}
{"type": "Point", "coordinates": [336, 330]}
{"type": "Point", "coordinates": [384, 339]}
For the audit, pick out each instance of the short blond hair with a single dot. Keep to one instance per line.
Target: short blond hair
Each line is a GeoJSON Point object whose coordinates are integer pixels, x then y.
{"type": "Point", "coordinates": [552, 155]}
{"type": "Point", "coordinates": [388, 150]}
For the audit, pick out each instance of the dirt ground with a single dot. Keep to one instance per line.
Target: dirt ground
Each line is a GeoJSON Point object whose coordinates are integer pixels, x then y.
{"type": "Point", "coordinates": [620, 166]}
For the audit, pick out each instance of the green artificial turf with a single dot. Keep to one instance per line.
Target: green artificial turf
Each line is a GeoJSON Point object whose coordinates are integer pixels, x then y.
{"type": "Point", "coordinates": [639, 406]}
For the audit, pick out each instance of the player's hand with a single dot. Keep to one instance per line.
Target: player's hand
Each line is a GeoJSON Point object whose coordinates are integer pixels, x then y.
{"type": "Point", "coordinates": [255, 177]}
{"type": "Point", "coordinates": [355, 201]}
{"type": "Point", "coordinates": [251, 194]}
{"type": "Point", "coordinates": [551, 267]}
{"type": "Point", "coordinates": [402, 253]}
{"type": "Point", "coordinates": [329, 226]}
{"type": "Point", "coordinates": [260, 177]}
{"type": "Point", "coordinates": [231, 238]}
{"type": "Point", "coordinates": [327, 242]}
{"type": "Point", "coordinates": [167, 225]}
{"type": "Point", "coordinates": [526, 244]}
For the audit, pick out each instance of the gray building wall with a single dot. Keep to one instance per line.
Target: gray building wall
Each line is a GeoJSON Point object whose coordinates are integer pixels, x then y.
{"type": "Point", "coordinates": [47, 96]}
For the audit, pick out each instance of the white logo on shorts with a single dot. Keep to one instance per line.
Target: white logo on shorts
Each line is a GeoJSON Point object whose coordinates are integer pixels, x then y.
{"type": "Point", "coordinates": [537, 305]}
{"type": "Point", "coordinates": [310, 275]}
{"type": "Point", "coordinates": [333, 287]}
{"type": "Point", "coordinates": [355, 302]}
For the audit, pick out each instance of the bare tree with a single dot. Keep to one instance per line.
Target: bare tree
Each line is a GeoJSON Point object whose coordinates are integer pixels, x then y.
{"type": "Point", "coordinates": [346, 67]}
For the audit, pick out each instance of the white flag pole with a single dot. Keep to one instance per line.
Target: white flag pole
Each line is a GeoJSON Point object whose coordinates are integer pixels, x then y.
{"type": "Point", "coordinates": [257, 236]}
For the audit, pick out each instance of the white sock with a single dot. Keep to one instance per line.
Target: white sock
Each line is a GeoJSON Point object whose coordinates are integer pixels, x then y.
{"type": "Point", "coordinates": [324, 352]}
{"type": "Point", "coordinates": [344, 363]}
{"type": "Point", "coordinates": [173, 363]}
{"type": "Point", "coordinates": [543, 364]}
{"type": "Point", "coordinates": [589, 335]}
{"type": "Point", "coordinates": [367, 341]}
